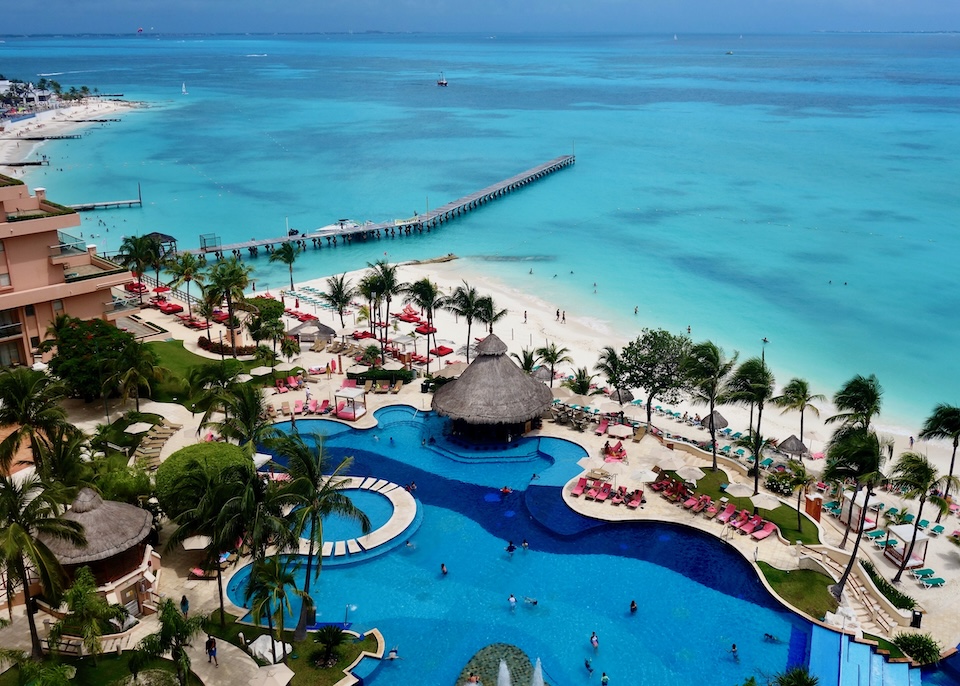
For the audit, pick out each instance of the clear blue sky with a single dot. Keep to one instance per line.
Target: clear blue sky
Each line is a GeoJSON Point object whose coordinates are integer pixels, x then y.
{"type": "Point", "coordinates": [493, 16]}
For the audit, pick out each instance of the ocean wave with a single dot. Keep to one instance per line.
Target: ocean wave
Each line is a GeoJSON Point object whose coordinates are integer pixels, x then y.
{"type": "Point", "coordinates": [515, 258]}
{"type": "Point", "coordinates": [256, 55]}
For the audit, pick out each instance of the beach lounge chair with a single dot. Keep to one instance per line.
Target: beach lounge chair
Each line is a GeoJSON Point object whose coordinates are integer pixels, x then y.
{"type": "Point", "coordinates": [690, 502]}
{"type": "Point", "coordinates": [766, 463]}
{"type": "Point", "coordinates": [892, 512]}
{"type": "Point", "coordinates": [876, 533]}
{"type": "Point", "coordinates": [924, 573]}
{"type": "Point", "coordinates": [578, 489]}
{"type": "Point", "coordinates": [324, 407]}
{"type": "Point", "coordinates": [768, 528]}
{"type": "Point", "coordinates": [742, 518]}
{"type": "Point", "coordinates": [281, 387]}
{"type": "Point", "coordinates": [382, 387]}
{"type": "Point", "coordinates": [311, 407]}
{"type": "Point", "coordinates": [198, 573]}
{"type": "Point", "coordinates": [923, 524]}
{"type": "Point", "coordinates": [752, 525]}
{"type": "Point", "coordinates": [701, 504]}
{"type": "Point", "coordinates": [285, 408]}
{"type": "Point", "coordinates": [340, 405]}
{"type": "Point", "coordinates": [271, 412]}
{"type": "Point", "coordinates": [727, 513]}
{"type": "Point", "coordinates": [937, 530]}
{"type": "Point", "coordinates": [298, 407]}
{"type": "Point", "coordinates": [602, 427]}
{"type": "Point", "coordinates": [396, 387]}
{"type": "Point", "coordinates": [635, 500]}
{"type": "Point", "coordinates": [594, 491]}
{"type": "Point", "coordinates": [935, 582]}
{"type": "Point", "coordinates": [368, 386]}
{"type": "Point", "coordinates": [887, 543]}
{"type": "Point", "coordinates": [711, 510]}
{"type": "Point", "coordinates": [604, 493]}
{"type": "Point", "coordinates": [619, 495]}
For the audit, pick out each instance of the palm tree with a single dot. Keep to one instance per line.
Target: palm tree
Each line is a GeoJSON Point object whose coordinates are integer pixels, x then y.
{"type": "Point", "coordinates": [317, 496]}
{"type": "Point", "coordinates": [137, 253]}
{"type": "Point", "coordinates": [916, 477]}
{"type": "Point", "coordinates": [552, 355]}
{"type": "Point", "coordinates": [369, 290]}
{"type": "Point", "coordinates": [253, 512]}
{"type": "Point", "coordinates": [271, 330]}
{"type": "Point", "coordinates": [756, 445]}
{"type": "Point", "coordinates": [186, 268]}
{"type": "Point", "coordinates": [796, 395]}
{"type": "Point", "coordinates": [426, 295]}
{"type": "Point", "coordinates": [800, 480]}
{"type": "Point", "coordinates": [752, 384]}
{"type": "Point", "coordinates": [290, 347]}
{"type": "Point", "coordinates": [268, 587]}
{"type": "Point", "coordinates": [38, 673]}
{"type": "Point", "coordinates": [338, 295]}
{"type": "Point", "coordinates": [610, 366]}
{"type": "Point", "coordinates": [388, 286]}
{"type": "Point", "coordinates": [708, 370]}
{"type": "Point", "coordinates": [581, 383]}
{"type": "Point", "coordinates": [795, 676]}
{"type": "Point", "coordinates": [944, 423]}
{"type": "Point", "coordinates": [854, 455]}
{"type": "Point", "coordinates": [87, 611]}
{"type": "Point", "coordinates": [287, 253]}
{"type": "Point", "coordinates": [244, 416]}
{"type": "Point", "coordinates": [28, 511]}
{"type": "Point", "coordinates": [465, 302]}
{"type": "Point", "coordinates": [527, 360]}
{"type": "Point", "coordinates": [134, 368]}
{"type": "Point", "coordinates": [489, 314]}
{"type": "Point", "coordinates": [63, 461]}
{"type": "Point", "coordinates": [29, 402]}
{"type": "Point", "coordinates": [859, 401]}
{"type": "Point", "coordinates": [228, 280]}
{"type": "Point", "coordinates": [174, 637]}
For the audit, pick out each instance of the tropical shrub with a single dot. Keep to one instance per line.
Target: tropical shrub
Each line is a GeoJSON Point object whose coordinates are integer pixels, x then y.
{"type": "Point", "coordinates": [899, 599]}
{"type": "Point", "coordinates": [213, 457]}
{"type": "Point", "coordinates": [780, 483]}
{"type": "Point", "coordinates": [85, 351]}
{"type": "Point", "coordinates": [331, 638]}
{"type": "Point", "coordinates": [205, 343]}
{"type": "Point", "coordinates": [923, 648]}
{"type": "Point", "coordinates": [268, 308]}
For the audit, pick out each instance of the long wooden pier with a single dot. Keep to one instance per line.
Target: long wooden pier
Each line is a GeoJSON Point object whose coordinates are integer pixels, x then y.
{"type": "Point", "coordinates": [30, 163]}
{"type": "Point", "coordinates": [74, 136]}
{"type": "Point", "coordinates": [110, 204]}
{"type": "Point", "coordinates": [347, 231]}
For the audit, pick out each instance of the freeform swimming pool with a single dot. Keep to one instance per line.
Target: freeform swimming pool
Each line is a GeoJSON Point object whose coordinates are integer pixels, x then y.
{"type": "Point", "coordinates": [696, 596]}
{"type": "Point", "coordinates": [339, 528]}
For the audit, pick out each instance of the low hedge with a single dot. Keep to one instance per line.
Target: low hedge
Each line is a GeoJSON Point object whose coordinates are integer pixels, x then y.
{"type": "Point", "coordinates": [404, 375]}
{"type": "Point", "coordinates": [899, 599]}
{"type": "Point", "coordinates": [215, 347]}
{"type": "Point", "coordinates": [923, 648]}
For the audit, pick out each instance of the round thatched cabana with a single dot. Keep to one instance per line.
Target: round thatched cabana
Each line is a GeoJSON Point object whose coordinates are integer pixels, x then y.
{"type": "Point", "coordinates": [116, 536]}
{"type": "Point", "coordinates": [493, 400]}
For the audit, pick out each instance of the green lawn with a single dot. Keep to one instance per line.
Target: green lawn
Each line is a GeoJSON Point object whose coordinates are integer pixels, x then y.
{"type": "Point", "coordinates": [884, 644]}
{"type": "Point", "coordinates": [805, 589]}
{"type": "Point", "coordinates": [784, 517]}
{"type": "Point", "coordinates": [305, 673]}
{"type": "Point", "coordinates": [109, 669]}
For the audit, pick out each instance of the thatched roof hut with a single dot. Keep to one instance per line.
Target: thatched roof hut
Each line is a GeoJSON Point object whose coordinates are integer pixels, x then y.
{"type": "Point", "coordinates": [115, 533]}
{"type": "Point", "coordinates": [493, 390]}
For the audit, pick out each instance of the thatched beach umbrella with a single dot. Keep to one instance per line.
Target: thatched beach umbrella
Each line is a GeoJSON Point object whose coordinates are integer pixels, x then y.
{"type": "Point", "coordinates": [621, 397]}
{"type": "Point", "coordinates": [792, 446]}
{"type": "Point", "coordinates": [716, 419]}
{"type": "Point", "coordinates": [541, 374]}
{"type": "Point", "coordinates": [111, 528]}
{"type": "Point", "coordinates": [492, 390]}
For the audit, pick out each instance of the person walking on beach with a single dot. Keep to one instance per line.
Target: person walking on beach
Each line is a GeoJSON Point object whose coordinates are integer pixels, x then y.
{"type": "Point", "coordinates": [185, 606]}
{"type": "Point", "coordinates": [524, 316]}
{"type": "Point", "coordinates": [564, 317]}
{"type": "Point", "coordinates": [558, 314]}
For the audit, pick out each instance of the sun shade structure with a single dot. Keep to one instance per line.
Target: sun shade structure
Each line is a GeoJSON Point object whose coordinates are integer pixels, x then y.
{"type": "Point", "coordinates": [493, 399]}
{"type": "Point", "coordinates": [312, 330]}
{"type": "Point", "coordinates": [116, 535]}
{"type": "Point", "coordinates": [793, 446]}
{"type": "Point", "coordinates": [716, 419]}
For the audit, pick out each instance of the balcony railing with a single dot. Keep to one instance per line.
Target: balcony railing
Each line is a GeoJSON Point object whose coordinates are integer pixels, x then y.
{"type": "Point", "coordinates": [121, 305]}
{"type": "Point", "coordinates": [67, 249]}
{"type": "Point", "coordinates": [11, 330]}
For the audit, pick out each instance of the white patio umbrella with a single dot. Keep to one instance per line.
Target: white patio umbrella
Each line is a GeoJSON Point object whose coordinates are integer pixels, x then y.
{"type": "Point", "coordinates": [643, 475]}
{"type": "Point", "coordinates": [198, 542]}
{"type": "Point", "coordinates": [634, 412]}
{"type": "Point", "coordinates": [765, 501]}
{"type": "Point", "coordinates": [605, 406]}
{"type": "Point", "coordinates": [620, 431]}
{"type": "Point", "coordinates": [285, 367]}
{"type": "Point", "coordinates": [392, 365]}
{"type": "Point", "coordinates": [260, 371]}
{"type": "Point", "coordinates": [260, 459]}
{"type": "Point", "coordinates": [581, 400]}
{"type": "Point", "coordinates": [738, 490]}
{"type": "Point", "coordinates": [562, 392]}
{"type": "Point", "coordinates": [244, 378]}
{"type": "Point", "coordinates": [451, 371]}
{"type": "Point", "coordinates": [689, 473]}
{"type": "Point", "coordinates": [138, 428]}
{"type": "Point", "coordinates": [670, 463]}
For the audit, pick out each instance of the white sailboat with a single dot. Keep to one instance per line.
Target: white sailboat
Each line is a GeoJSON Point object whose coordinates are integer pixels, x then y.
{"type": "Point", "coordinates": [183, 88]}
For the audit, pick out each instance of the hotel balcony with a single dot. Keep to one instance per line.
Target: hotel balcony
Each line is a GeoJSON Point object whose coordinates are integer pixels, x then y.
{"type": "Point", "coordinates": [14, 330]}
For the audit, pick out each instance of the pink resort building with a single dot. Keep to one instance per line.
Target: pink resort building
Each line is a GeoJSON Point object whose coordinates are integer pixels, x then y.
{"type": "Point", "coordinates": [46, 271]}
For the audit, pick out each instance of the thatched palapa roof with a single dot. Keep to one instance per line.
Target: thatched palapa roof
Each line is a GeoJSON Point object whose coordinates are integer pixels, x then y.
{"type": "Point", "coordinates": [792, 445]}
{"type": "Point", "coordinates": [110, 529]}
{"type": "Point", "coordinates": [492, 390]}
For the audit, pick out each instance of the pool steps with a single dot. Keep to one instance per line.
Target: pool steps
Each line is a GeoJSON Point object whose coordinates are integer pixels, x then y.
{"type": "Point", "coordinates": [837, 660]}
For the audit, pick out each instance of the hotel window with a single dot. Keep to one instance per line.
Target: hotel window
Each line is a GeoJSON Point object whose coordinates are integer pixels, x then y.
{"type": "Point", "coordinates": [4, 279]}
{"type": "Point", "coordinates": [29, 311]}
{"type": "Point", "coordinates": [10, 354]}
{"type": "Point", "coordinates": [57, 306]}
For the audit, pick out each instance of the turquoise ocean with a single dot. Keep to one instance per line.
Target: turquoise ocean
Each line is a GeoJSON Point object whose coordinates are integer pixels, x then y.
{"type": "Point", "coordinates": [798, 188]}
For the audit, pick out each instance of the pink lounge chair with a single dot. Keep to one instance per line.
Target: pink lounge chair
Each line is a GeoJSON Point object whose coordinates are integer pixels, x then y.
{"type": "Point", "coordinates": [750, 525]}
{"type": "Point", "coordinates": [702, 503]}
{"type": "Point", "coordinates": [604, 493]}
{"type": "Point", "coordinates": [281, 388]}
{"type": "Point", "coordinates": [598, 486]}
{"type": "Point", "coordinates": [311, 406]}
{"type": "Point", "coordinates": [324, 407]}
{"type": "Point", "coordinates": [711, 511]}
{"type": "Point", "coordinates": [619, 496]}
{"type": "Point", "coordinates": [292, 382]}
{"type": "Point", "coordinates": [768, 528]}
{"type": "Point", "coordinates": [578, 489]}
{"type": "Point", "coordinates": [635, 500]}
{"type": "Point", "coordinates": [340, 405]}
{"type": "Point", "coordinates": [690, 502]}
{"type": "Point", "coordinates": [727, 513]}
{"type": "Point", "coordinates": [602, 428]}
{"type": "Point", "coordinates": [298, 407]}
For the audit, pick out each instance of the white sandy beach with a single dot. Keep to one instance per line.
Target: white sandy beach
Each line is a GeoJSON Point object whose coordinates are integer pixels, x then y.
{"type": "Point", "coordinates": [584, 335]}
{"type": "Point", "coordinates": [57, 122]}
